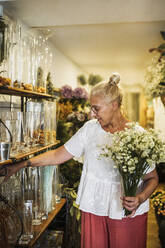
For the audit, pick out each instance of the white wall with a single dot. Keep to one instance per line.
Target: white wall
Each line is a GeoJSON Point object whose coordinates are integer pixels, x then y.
{"type": "Point", "coordinates": [65, 72]}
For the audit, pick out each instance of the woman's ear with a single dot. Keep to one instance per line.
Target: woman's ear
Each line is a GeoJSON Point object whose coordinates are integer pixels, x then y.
{"type": "Point", "coordinates": [115, 105]}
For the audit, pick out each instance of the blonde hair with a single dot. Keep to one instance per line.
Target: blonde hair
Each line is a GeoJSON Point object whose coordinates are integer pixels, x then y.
{"type": "Point", "coordinates": [109, 89]}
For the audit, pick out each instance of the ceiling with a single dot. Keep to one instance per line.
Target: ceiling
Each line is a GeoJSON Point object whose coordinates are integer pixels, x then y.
{"type": "Point", "coordinates": [100, 36]}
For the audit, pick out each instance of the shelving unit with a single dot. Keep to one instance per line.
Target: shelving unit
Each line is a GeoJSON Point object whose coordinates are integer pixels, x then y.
{"type": "Point", "coordinates": [8, 90]}
{"type": "Point", "coordinates": [25, 94]}
{"type": "Point", "coordinates": [38, 230]}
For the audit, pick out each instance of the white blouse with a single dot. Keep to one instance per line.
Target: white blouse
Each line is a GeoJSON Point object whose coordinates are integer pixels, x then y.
{"type": "Point", "coordinates": [100, 188]}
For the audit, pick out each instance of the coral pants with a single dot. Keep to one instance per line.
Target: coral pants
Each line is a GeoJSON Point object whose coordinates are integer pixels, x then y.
{"type": "Point", "coordinates": [103, 232]}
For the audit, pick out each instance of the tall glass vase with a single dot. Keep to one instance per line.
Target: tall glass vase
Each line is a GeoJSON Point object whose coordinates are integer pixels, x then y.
{"type": "Point", "coordinates": [26, 184]}
{"type": "Point", "coordinates": [27, 222]}
{"type": "Point", "coordinates": [57, 184]}
{"type": "Point", "coordinates": [36, 192]}
{"type": "Point", "coordinates": [47, 176]}
{"type": "Point", "coordinates": [31, 190]}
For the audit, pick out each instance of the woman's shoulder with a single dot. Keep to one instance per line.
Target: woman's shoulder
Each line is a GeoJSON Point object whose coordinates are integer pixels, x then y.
{"type": "Point", "coordinates": [91, 123]}
{"type": "Point", "coordinates": [89, 127]}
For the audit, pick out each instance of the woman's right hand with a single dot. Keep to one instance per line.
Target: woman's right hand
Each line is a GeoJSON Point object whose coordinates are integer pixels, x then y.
{"type": "Point", "coordinates": [13, 168]}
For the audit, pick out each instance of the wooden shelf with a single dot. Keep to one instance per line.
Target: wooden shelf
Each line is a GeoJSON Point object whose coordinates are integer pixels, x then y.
{"type": "Point", "coordinates": [26, 93]}
{"type": "Point", "coordinates": [38, 230]}
{"type": "Point", "coordinates": [9, 161]}
{"type": "Point", "coordinates": [31, 152]}
{"type": "Point", "coordinates": [34, 150]}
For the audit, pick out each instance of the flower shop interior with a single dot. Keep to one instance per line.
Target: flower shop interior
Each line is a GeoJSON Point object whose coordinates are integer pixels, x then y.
{"type": "Point", "coordinates": [52, 54]}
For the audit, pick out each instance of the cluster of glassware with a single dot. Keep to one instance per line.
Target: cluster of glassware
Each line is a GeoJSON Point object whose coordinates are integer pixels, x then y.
{"type": "Point", "coordinates": [25, 52]}
{"type": "Point", "coordinates": [29, 129]}
{"type": "Point", "coordinates": [34, 192]}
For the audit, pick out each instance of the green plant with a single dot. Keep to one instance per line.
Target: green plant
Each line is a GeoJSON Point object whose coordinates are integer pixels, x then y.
{"type": "Point", "coordinates": [94, 79]}
{"type": "Point", "coordinates": [73, 113]}
{"type": "Point", "coordinates": [91, 81]}
{"type": "Point", "coordinates": [82, 80]}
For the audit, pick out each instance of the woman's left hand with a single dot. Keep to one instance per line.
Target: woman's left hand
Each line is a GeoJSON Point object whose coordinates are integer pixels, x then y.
{"type": "Point", "coordinates": [150, 182]}
{"type": "Point", "coordinates": [131, 203]}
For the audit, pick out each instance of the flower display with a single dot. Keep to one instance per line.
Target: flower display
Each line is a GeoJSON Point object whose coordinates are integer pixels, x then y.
{"type": "Point", "coordinates": [134, 151]}
{"type": "Point", "coordinates": [67, 92]}
{"type": "Point", "coordinates": [158, 202]}
{"type": "Point", "coordinates": [73, 103]}
{"type": "Point", "coordinates": [65, 108]}
{"type": "Point", "coordinates": [155, 78]}
{"type": "Point", "coordinates": [77, 117]}
{"type": "Point", "coordinates": [72, 113]}
{"type": "Point", "coordinates": [80, 92]}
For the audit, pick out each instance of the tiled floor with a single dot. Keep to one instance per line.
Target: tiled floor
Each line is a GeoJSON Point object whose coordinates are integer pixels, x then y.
{"type": "Point", "coordinates": [152, 236]}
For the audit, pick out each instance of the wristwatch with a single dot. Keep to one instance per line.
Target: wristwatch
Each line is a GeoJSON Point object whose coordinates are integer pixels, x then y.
{"type": "Point", "coordinates": [28, 164]}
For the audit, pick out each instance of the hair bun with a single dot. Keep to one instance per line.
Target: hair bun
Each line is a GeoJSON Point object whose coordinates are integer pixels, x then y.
{"type": "Point", "coordinates": [114, 79]}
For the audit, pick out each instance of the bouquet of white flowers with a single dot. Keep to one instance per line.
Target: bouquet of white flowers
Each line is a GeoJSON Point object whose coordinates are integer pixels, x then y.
{"type": "Point", "coordinates": [134, 150]}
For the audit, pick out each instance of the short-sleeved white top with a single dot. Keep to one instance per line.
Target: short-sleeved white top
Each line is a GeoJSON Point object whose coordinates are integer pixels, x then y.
{"type": "Point", "coordinates": [100, 188]}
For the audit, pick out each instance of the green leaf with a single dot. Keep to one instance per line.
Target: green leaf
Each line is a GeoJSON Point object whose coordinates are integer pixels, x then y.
{"type": "Point", "coordinates": [72, 211]}
{"type": "Point", "coordinates": [78, 215]}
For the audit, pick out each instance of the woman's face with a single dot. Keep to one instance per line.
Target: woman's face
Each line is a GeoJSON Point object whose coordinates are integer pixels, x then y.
{"type": "Point", "coordinates": [102, 110]}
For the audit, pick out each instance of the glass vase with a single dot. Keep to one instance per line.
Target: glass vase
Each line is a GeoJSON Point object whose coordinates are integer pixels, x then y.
{"type": "Point", "coordinates": [36, 192]}
{"type": "Point", "coordinates": [27, 222]}
{"type": "Point", "coordinates": [47, 188]}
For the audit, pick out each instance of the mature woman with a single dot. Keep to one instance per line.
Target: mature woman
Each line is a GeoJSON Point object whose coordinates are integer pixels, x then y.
{"type": "Point", "coordinates": [99, 195]}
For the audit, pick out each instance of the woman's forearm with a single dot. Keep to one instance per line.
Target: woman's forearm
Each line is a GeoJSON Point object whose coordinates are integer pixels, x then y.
{"type": "Point", "coordinates": [57, 156]}
{"type": "Point", "coordinates": [150, 184]}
